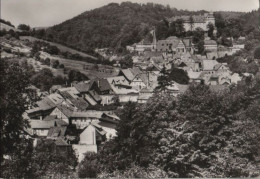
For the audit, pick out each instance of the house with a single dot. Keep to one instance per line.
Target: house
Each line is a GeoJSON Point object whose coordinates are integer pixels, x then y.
{"type": "Point", "coordinates": [235, 78]}
{"type": "Point", "coordinates": [144, 95]}
{"type": "Point", "coordinates": [101, 86]}
{"type": "Point", "coordinates": [221, 68]}
{"type": "Point", "coordinates": [130, 73]}
{"type": "Point", "coordinates": [212, 55]}
{"type": "Point", "coordinates": [237, 46]}
{"type": "Point", "coordinates": [93, 134]}
{"type": "Point", "coordinates": [214, 80]}
{"type": "Point", "coordinates": [210, 45]}
{"type": "Point", "coordinates": [62, 112]}
{"type": "Point", "coordinates": [208, 66]}
{"type": "Point", "coordinates": [41, 128]}
{"type": "Point", "coordinates": [120, 85]}
{"type": "Point", "coordinates": [72, 91]}
{"type": "Point", "coordinates": [55, 88]}
{"type": "Point", "coordinates": [44, 108]}
{"type": "Point", "coordinates": [224, 80]}
{"type": "Point", "coordinates": [194, 76]}
{"type": "Point", "coordinates": [56, 132]}
{"type": "Point", "coordinates": [82, 88]}
{"type": "Point", "coordinates": [171, 44]}
{"type": "Point", "coordinates": [140, 81]}
{"type": "Point", "coordinates": [199, 21]}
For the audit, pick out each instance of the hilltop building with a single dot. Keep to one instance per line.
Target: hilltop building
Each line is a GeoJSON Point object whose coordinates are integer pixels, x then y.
{"type": "Point", "coordinates": [199, 21]}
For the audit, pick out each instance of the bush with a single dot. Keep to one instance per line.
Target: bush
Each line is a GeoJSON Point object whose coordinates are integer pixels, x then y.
{"type": "Point", "coordinates": [89, 167]}
{"type": "Point", "coordinates": [55, 64]}
{"type": "Point", "coordinates": [257, 53]}
{"type": "Point", "coordinates": [61, 66]}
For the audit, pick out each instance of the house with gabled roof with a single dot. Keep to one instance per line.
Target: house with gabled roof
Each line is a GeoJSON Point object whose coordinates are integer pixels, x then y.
{"type": "Point", "coordinates": [44, 108]}
{"type": "Point", "coordinates": [41, 128]}
{"type": "Point", "coordinates": [92, 134]}
{"type": "Point", "coordinates": [208, 66]}
{"type": "Point", "coordinates": [171, 44]}
{"type": "Point", "coordinates": [62, 112]}
{"type": "Point", "coordinates": [221, 68]}
{"type": "Point", "coordinates": [144, 95]}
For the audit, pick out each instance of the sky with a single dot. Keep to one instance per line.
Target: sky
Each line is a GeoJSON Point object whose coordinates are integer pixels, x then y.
{"type": "Point", "coordinates": [44, 13]}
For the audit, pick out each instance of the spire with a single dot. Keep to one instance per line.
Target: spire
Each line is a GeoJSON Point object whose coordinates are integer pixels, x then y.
{"type": "Point", "coordinates": [154, 37]}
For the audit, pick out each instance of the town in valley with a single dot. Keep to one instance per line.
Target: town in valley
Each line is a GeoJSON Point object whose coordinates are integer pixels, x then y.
{"type": "Point", "coordinates": [148, 92]}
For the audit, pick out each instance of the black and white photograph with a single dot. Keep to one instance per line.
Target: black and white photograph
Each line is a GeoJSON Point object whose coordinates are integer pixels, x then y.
{"type": "Point", "coordinates": [129, 89]}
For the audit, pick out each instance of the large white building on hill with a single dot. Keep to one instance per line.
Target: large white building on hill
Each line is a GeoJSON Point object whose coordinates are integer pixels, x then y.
{"type": "Point", "coordinates": [199, 21]}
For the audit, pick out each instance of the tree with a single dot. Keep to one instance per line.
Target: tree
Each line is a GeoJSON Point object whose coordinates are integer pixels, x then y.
{"type": "Point", "coordinates": [51, 49]}
{"type": "Point", "coordinates": [127, 62]}
{"type": "Point", "coordinates": [43, 79]}
{"type": "Point", "coordinates": [15, 97]}
{"type": "Point", "coordinates": [89, 167]}
{"type": "Point", "coordinates": [24, 27]}
{"type": "Point", "coordinates": [47, 61]}
{"type": "Point", "coordinates": [191, 22]}
{"type": "Point", "coordinates": [55, 64]}
{"type": "Point", "coordinates": [179, 28]}
{"type": "Point", "coordinates": [197, 134]}
{"type": "Point", "coordinates": [14, 83]}
{"type": "Point", "coordinates": [61, 66]}
{"type": "Point", "coordinates": [163, 80]}
{"type": "Point", "coordinates": [60, 163]}
{"type": "Point", "coordinates": [198, 35]}
{"type": "Point", "coordinates": [76, 76]}
{"type": "Point", "coordinates": [211, 29]}
{"type": "Point", "coordinates": [201, 47]}
{"type": "Point", "coordinates": [257, 53]}
{"type": "Point", "coordinates": [179, 76]}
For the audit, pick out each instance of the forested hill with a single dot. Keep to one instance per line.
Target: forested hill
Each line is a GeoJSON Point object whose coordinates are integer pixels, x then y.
{"type": "Point", "coordinates": [113, 25]}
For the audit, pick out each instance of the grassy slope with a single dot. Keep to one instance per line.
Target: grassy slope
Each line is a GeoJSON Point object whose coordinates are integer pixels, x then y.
{"type": "Point", "coordinates": [61, 47]}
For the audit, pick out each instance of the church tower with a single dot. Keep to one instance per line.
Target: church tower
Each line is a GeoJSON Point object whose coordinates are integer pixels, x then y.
{"type": "Point", "coordinates": [154, 40]}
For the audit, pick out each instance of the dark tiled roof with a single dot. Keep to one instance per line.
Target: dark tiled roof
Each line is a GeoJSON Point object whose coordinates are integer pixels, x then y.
{"type": "Point", "coordinates": [61, 142]}
{"type": "Point", "coordinates": [55, 132]}
{"type": "Point", "coordinates": [67, 111]}
{"type": "Point", "coordinates": [102, 84]}
{"type": "Point", "coordinates": [58, 122]}
{"type": "Point", "coordinates": [82, 87]}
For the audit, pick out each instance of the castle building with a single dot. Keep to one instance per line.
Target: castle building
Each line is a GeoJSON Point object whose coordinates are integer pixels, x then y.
{"type": "Point", "coordinates": [199, 21]}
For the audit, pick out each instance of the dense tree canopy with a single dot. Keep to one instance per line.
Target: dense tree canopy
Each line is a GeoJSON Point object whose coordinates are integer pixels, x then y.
{"type": "Point", "coordinates": [200, 134]}
{"type": "Point", "coordinates": [24, 27]}
{"type": "Point", "coordinates": [115, 25]}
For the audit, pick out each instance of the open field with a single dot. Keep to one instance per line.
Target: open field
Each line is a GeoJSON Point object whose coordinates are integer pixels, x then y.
{"type": "Point", "coordinates": [61, 47]}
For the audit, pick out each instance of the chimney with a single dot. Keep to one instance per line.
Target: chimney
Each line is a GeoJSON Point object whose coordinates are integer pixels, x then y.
{"type": "Point", "coordinates": [98, 83]}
